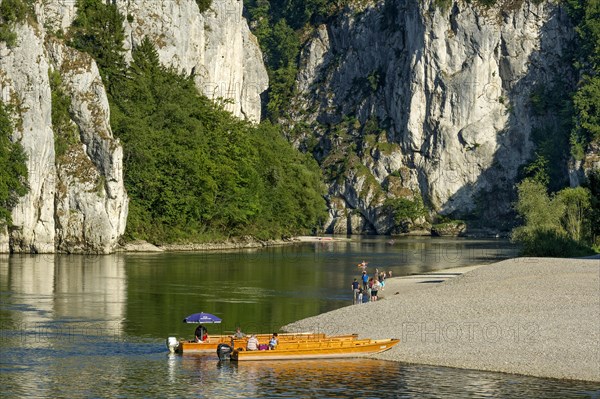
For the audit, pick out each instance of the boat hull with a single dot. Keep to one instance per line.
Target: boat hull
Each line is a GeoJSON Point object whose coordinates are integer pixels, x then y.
{"type": "Point", "coordinates": [327, 350]}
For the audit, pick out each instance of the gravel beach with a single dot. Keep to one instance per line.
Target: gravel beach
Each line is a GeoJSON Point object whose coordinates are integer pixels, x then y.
{"type": "Point", "coordinates": [531, 316]}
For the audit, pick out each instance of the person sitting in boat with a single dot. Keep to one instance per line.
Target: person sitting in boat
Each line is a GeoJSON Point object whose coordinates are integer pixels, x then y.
{"type": "Point", "coordinates": [239, 334]}
{"type": "Point", "coordinates": [201, 333]}
{"type": "Point", "coordinates": [252, 343]}
{"type": "Point", "coordinates": [273, 341]}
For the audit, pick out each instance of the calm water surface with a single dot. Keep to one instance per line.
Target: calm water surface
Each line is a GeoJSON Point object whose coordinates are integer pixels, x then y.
{"type": "Point", "coordinates": [94, 326]}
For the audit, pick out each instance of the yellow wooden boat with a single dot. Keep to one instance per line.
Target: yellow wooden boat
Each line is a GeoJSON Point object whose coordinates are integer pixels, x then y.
{"type": "Point", "coordinates": [213, 342]}
{"type": "Point", "coordinates": [323, 349]}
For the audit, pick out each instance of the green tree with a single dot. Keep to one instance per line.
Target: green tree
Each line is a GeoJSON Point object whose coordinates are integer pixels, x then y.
{"type": "Point", "coordinates": [98, 30]}
{"type": "Point", "coordinates": [13, 169]}
{"type": "Point", "coordinates": [193, 170]}
{"type": "Point", "coordinates": [538, 170]}
{"type": "Point", "coordinates": [405, 211]}
{"type": "Point", "coordinates": [587, 107]}
{"type": "Point", "coordinates": [537, 208]}
{"type": "Point", "coordinates": [586, 17]}
{"type": "Point", "coordinates": [577, 211]}
{"type": "Point", "coordinates": [553, 225]}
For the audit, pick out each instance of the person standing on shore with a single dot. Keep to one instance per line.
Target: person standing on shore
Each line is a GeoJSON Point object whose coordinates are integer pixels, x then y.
{"type": "Point", "coordinates": [365, 279]}
{"type": "Point", "coordinates": [360, 296]}
{"type": "Point", "coordinates": [354, 291]}
{"type": "Point", "coordinates": [375, 290]}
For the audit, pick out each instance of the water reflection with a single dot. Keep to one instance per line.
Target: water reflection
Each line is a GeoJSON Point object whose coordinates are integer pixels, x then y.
{"type": "Point", "coordinates": [202, 376]}
{"type": "Point", "coordinates": [95, 326]}
{"type": "Point", "coordinates": [75, 288]}
{"type": "Point", "coordinates": [262, 290]}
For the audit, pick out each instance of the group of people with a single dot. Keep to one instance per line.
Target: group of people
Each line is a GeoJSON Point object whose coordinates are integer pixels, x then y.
{"type": "Point", "coordinates": [253, 345]}
{"type": "Point", "coordinates": [201, 335]}
{"type": "Point", "coordinates": [370, 285]}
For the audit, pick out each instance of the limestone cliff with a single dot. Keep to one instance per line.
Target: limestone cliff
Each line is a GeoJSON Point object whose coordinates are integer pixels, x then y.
{"type": "Point", "coordinates": [216, 47]}
{"type": "Point", "coordinates": [77, 200]}
{"type": "Point", "coordinates": [419, 100]}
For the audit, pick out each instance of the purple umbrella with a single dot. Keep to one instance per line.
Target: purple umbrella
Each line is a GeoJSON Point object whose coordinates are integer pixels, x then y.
{"type": "Point", "coordinates": [202, 317]}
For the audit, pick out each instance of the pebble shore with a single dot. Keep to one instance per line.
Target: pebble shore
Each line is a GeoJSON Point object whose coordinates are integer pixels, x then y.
{"type": "Point", "coordinates": [530, 316]}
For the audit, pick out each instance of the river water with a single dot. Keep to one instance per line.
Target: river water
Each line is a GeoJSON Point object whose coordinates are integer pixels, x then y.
{"type": "Point", "coordinates": [95, 326]}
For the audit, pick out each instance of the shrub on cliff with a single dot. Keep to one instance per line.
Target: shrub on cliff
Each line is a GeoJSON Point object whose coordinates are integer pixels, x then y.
{"type": "Point", "coordinates": [12, 12]}
{"type": "Point", "coordinates": [13, 169]}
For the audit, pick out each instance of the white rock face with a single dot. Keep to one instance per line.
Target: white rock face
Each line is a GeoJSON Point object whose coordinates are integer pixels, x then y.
{"type": "Point", "coordinates": [91, 203]}
{"type": "Point", "coordinates": [451, 90]}
{"type": "Point", "coordinates": [76, 203]}
{"type": "Point", "coordinates": [56, 14]}
{"type": "Point", "coordinates": [312, 57]}
{"type": "Point", "coordinates": [216, 47]}
{"type": "Point", "coordinates": [24, 86]}
{"type": "Point", "coordinates": [580, 170]}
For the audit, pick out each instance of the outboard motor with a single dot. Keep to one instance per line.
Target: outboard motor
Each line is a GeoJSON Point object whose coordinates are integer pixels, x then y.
{"type": "Point", "coordinates": [224, 352]}
{"type": "Point", "coordinates": [172, 344]}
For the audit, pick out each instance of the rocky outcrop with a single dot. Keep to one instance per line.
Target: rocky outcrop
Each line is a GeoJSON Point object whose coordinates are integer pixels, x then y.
{"type": "Point", "coordinates": [450, 229]}
{"type": "Point", "coordinates": [216, 47]}
{"type": "Point", "coordinates": [438, 97]}
{"type": "Point", "coordinates": [77, 202]}
{"type": "Point", "coordinates": [580, 169]}
{"type": "Point", "coordinates": [90, 199]}
{"type": "Point", "coordinates": [24, 86]}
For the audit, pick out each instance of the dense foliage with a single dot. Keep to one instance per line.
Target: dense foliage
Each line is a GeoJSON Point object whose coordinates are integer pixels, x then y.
{"type": "Point", "coordinates": [564, 223]}
{"type": "Point", "coordinates": [11, 13]}
{"type": "Point", "coordinates": [554, 225]}
{"type": "Point", "coordinates": [193, 171]}
{"type": "Point", "coordinates": [586, 101]}
{"type": "Point", "coordinates": [279, 26]}
{"type": "Point", "coordinates": [13, 169]}
{"type": "Point", "coordinates": [405, 211]}
{"type": "Point", "coordinates": [98, 30]}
